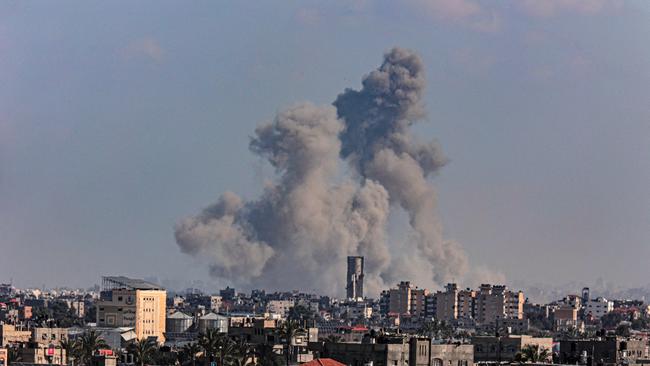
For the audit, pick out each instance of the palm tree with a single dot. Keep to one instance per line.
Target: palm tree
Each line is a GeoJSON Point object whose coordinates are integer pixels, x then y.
{"type": "Point", "coordinates": [333, 338]}
{"type": "Point", "coordinates": [191, 350]}
{"type": "Point", "coordinates": [209, 342]}
{"type": "Point", "coordinates": [72, 349]}
{"type": "Point", "coordinates": [216, 346]}
{"type": "Point", "coordinates": [265, 356]}
{"type": "Point", "coordinates": [89, 343]}
{"type": "Point", "coordinates": [288, 331]}
{"type": "Point", "coordinates": [243, 354]}
{"type": "Point", "coordinates": [13, 355]}
{"type": "Point", "coordinates": [142, 351]}
{"type": "Point", "coordinates": [533, 353]}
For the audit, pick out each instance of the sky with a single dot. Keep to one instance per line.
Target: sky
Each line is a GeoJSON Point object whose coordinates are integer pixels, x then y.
{"type": "Point", "coordinates": [118, 119]}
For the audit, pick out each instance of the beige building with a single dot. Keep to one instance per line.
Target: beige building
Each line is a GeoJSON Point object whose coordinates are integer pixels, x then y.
{"type": "Point", "coordinates": [447, 303]}
{"type": "Point", "coordinates": [43, 355]}
{"type": "Point", "coordinates": [127, 302]}
{"type": "Point", "coordinates": [504, 349]}
{"type": "Point", "coordinates": [49, 336]}
{"type": "Point", "coordinates": [407, 299]}
{"type": "Point", "coordinates": [9, 334]}
{"type": "Point", "coordinates": [497, 302]}
{"type": "Point", "coordinates": [466, 304]}
{"type": "Point", "coordinates": [400, 298]}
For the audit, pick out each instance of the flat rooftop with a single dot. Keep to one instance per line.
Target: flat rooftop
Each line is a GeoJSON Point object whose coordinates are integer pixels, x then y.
{"type": "Point", "coordinates": [120, 282]}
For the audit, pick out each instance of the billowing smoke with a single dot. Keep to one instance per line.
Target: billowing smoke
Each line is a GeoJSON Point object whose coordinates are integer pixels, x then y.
{"type": "Point", "coordinates": [379, 145]}
{"type": "Point", "coordinates": [297, 234]}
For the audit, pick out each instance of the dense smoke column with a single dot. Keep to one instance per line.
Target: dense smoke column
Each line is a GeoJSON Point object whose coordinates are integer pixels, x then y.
{"type": "Point", "coordinates": [378, 144]}
{"type": "Point", "coordinates": [299, 233]}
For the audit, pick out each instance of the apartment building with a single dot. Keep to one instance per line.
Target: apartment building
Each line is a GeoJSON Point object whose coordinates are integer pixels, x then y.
{"type": "Point", "coordinates": [126, 302]}
{"type": "Point", "coordinates": [447, 303]}
{"type": "Point", "coordinates": [497, 302]}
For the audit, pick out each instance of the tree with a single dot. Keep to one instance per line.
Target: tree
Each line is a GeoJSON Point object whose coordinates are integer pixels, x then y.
{"type": "Point", "coordinates": [217, 346]}
{"type": "Point", "coordinates": [243, 354]}
{"type": "Point", "coordinates": [142, 350]}
{"type": "Point", "coordinates": [288, 331]}
{"type": "Point", "coordinates": [266, 356]}
{"type": "Point", "coordinates": [191, 350]}
{"type": "Point", "coordinates": [333, 338]}
{"type": "Point", "coordinates": [623, 329]}
{"type": "Point", "coordinates": [89, 343]}
{"type": "Point", "coordinates": [13, 355]}
{"type": "Point", "coordinates": [72, 349]}
{"type": "Point", "coordinates": [533, 353]}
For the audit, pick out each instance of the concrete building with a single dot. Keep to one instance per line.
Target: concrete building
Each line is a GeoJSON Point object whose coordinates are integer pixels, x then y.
{"type": "Point", "coordinates": [280, 307]}
{"type": "Point", "coordinates": [43, 355]}
{"type": "Point", "coordinates": [447, 303]}
{"type": "Point", "coordinates": [399, 298]}
{"type": "Point", "coordinates": [49, 336]}
{"type": "Point", "coordinates": [609, 351]}
{"type": "Point", "coordinates": [126, 302]}
{"type": "Point", "coordinates": [596, 308]}
{"type": "Point", "coordinates": [354, 287]}
{"type": "Point", "coordinates": [407, 299]}
{"type": "Point", "coordinates": [9, 334]}
{"type": "Point", "coordinates": [452, 354]}
{"type": "Point", "coordinates": [390, 352]}
{"type": "Point", "coordinates": [466, 299]}
{"type": "Point", "coordinates": [504, 349]}
{"type": "Point", "coordinates": [497, 302]}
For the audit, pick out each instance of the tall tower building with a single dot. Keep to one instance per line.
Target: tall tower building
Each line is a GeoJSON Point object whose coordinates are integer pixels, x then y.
{"type": "Point", "coordinates": [355, 278]}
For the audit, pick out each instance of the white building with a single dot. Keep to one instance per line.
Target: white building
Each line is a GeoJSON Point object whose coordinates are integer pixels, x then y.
{"type": "Point", "coordinates": [598, 307]}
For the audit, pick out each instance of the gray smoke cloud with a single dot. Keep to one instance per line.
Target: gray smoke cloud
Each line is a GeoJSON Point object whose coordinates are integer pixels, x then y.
{"type": "Point", "coordinates": [297, 234]}
{"type": "Point", "coordinates": [379, 145]}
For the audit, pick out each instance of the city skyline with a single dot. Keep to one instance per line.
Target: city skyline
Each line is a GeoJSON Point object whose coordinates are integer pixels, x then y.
{"type": "Point", "coordinates": [113, 127]}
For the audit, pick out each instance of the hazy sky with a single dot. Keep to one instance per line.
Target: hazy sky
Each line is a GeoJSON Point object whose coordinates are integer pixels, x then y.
{"type": "Point", "coordinates": [117, 119]}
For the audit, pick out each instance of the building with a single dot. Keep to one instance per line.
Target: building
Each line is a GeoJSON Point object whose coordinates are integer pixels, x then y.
{"type": "Point", "coordinates": [609, 351]}
{"type": "Point", "coordinates": [280, 307]}
{"type": "Point", "coordinates": [399, 299]}
{"type": "Point", "coordinates": [9, 335]}
{"type": "Point", "coordinates": [3, 357]}
{"type": "Point", "coordinates": [497, 302]}
{"type": "Point", "coordinates": [126, 302]}
{"type": "Point", "coordinates": [466, 300]}
{"type": "Point", "coordinates": [447, 303]}
{"type": "Point", "coordinates": [354, 287]}
{"type": "Point", "coordinates": [392, 351]}
{"type": "Point", "coordinates": [43, 355]}
{"type": "Point", "coordinates": [407, 299]}
{"type": "Point", "coordinates": [228, 293]}
{"type": "Point", "coordinates": [504, 349]}
{"type": "Point", "coordinates": [596, 308]}
{"type": "Point", "coordinates": [49, 336]}
{"type": "Point", "coordinates": [452, 354]}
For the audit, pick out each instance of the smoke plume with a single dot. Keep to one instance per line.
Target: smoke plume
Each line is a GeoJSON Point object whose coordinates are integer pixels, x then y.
{"type": "Point", "coordinates": [297, 234]}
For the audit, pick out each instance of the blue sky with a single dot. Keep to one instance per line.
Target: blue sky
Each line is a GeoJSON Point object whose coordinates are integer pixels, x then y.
{"type": "Point", "coordinates": [117, 119]}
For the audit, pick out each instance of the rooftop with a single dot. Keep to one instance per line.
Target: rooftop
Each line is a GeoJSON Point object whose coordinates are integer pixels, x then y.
{"type": "Point", "coordinates": [119, 282]}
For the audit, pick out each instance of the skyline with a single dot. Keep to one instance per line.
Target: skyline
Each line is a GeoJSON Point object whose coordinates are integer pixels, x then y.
{"type": "Point", "coordinates": [114, 125]}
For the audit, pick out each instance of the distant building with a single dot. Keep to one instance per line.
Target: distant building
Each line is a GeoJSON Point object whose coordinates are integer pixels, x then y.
{"type": "Point", "coordinates": [497, 302]}
{"type": "Point", "coordinates": [228, 293]}
{"type": "Point", "coordinates": [126, 302]}
{"type": "Point", "coordinates": [280, 307]}
{"type": "Point", "coordinates": [609, 351]}
{"type": "Point", "coordinates": [354, 278]}
{"type": "Point", "coordinates": [9, 334]}
{"type": "Point", "coordinates": [407, 299]}
{"type": "Point", "coordinates": [504, 349]}
{"type": "Point", "coordinates": [447, 303]}
{"type": "Point", "coordinates": [596, 308]}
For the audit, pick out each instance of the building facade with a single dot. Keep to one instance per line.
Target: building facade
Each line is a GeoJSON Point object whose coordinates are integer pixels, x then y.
{"type": "Point", "coordinates": [126, 302]}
